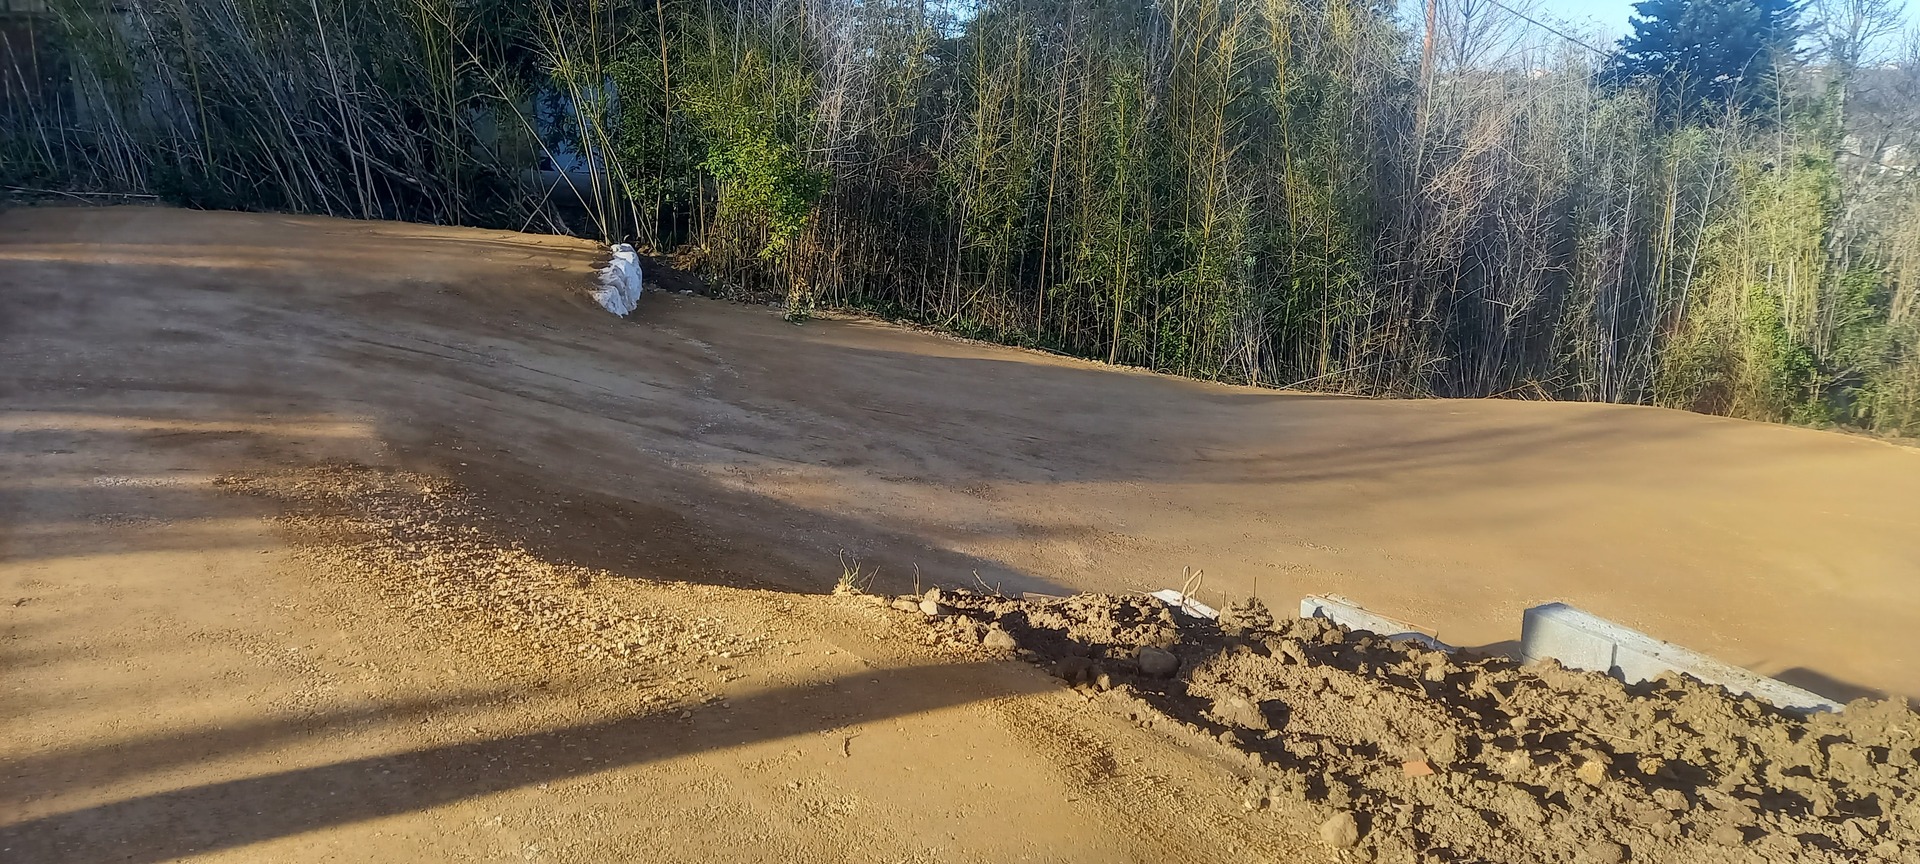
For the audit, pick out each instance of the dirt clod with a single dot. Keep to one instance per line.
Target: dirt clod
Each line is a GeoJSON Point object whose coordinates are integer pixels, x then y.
{"type": "Point", "coordinates": [1241, 712]}
{"type": "Point", "coordinates": [1341, 831]}
{"type": "Point", "coordinates": [1245, 618]}
{"type": "Point", "coordinates": [1156, 662]}
{"type": "Point", "coordinates": [1603, 852]}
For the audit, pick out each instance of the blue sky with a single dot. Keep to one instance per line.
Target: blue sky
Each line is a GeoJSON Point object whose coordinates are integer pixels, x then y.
{"type": "Point", "coordinates": [1609, 17]}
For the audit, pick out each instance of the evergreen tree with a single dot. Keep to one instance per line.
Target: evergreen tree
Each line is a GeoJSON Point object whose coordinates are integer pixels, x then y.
{"type": "Point", "coordinates": [1708, 56]}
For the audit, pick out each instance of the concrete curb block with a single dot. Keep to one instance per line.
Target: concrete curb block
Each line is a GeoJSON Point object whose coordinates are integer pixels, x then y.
{"type": "Point", "coordinates": [1580, 640]}
{"type": "Point", "coordinates": [1353, 616]}
{"type": "Point", "coordinates": [1184, 604]}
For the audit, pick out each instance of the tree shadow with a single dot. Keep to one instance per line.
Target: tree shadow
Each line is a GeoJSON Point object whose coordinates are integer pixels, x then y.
{"type": "Point", "coordinates": [241, 812]}
{"type": "Point", "coordinates": [151, 754]}
{"type": "Point", "coordinates": [63, 495]}
{"type": "Point", "coordinates": [699, 531]}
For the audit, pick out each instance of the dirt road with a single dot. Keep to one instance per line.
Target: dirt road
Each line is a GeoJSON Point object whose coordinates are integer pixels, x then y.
{"type": "Point", "coordinates": [167, 651]}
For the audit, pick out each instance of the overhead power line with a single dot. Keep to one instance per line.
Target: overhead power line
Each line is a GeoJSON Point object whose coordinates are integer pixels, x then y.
{"type": "Point", "coordinates": [1551, 29]}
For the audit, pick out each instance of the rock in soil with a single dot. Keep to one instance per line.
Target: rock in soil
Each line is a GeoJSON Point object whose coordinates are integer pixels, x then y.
{"type": "Point", "coordinates": [963, 630]}
{"type": "Point", "coordinates": [1341, 831]}
{"type": "Point", "coordinates": [1241, 712]}
{"type": "Point", "coordinates": [1603, 852]}
{"type": "Point", "coordinates": [1074, 670]}
{"type": "Point", "coordinates": [1157, 663]}
{"type": "Point", "coordinates": [998, 639]}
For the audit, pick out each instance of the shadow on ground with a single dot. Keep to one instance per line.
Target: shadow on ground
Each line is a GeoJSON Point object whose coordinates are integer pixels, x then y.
{"type": "Point", "coordinates": [249, 810]}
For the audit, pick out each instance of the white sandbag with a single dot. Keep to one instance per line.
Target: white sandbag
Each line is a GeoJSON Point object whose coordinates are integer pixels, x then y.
{"type": "Point", "coordinates": [619, 289]}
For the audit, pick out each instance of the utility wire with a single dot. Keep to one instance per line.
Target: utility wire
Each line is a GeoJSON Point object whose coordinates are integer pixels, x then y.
{"type": "Point", "coordinates": [1550, 28]}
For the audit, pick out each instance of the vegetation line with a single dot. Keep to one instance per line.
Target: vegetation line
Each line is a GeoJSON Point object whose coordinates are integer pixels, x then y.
{"type": "Point", "coordinates": [1258, 191]}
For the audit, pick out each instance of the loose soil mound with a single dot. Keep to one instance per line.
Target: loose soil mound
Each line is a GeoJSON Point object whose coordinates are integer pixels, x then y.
{"type": "Point", "coordinates": [1395, 751]}
{"type": "Point", "coordinates": [1440, 757]}
{"type": "Point", "coordinates": [1382, 747]}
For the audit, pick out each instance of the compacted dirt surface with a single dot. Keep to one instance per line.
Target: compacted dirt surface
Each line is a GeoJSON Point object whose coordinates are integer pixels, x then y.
{"type": "Point", "coordinates": [326, 540]}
